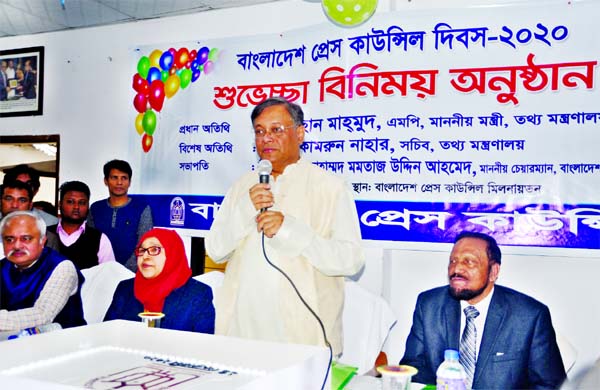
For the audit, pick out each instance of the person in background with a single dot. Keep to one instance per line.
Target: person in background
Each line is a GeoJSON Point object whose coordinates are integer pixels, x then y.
{"type": "Point", "coordinates": [4, 88]}
{"type": "Point", "coordinates": [29, 81]}
{"type": "Point", "coordinates": [10, 69]}
{"type": "Point", "coordinates": [163, 283]}
{"type": "Point", "coordinates": [38, 285]}
{"type": "Point", "coordinates": [84, 245]}
{"type": "Point", "coordinates": [45, 206]}
{"type": "Point", "coordinates": [122, 218]}
{"type": "Point", "coordinates": [310, 231]}
{"type": "Point", "coordinates": [507, 341]}
{"type": "Point", "coordinates": [16, 196]}
{"type": "Point", "coordinates": [31, 176]}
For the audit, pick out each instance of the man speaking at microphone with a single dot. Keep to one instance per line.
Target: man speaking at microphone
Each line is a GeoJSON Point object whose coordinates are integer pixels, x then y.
{"type": "Point", "coordinates": [311, 232]}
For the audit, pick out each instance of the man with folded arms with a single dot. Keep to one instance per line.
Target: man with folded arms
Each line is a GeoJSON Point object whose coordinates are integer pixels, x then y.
{"type": "Point", "coordinates": [39, 286]}
{"type": "Point", "coordinates": [505, 338]}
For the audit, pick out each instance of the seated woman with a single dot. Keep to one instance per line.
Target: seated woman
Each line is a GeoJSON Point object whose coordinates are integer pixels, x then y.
{"type": "Point", "coordinates": [163, 283]}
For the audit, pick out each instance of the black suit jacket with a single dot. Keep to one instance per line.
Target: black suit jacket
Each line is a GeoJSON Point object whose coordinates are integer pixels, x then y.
{"type": "Point", "coordinates": [518, 346]}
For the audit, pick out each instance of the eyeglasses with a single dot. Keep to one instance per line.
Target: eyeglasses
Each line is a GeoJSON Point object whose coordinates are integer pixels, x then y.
{"type": "Point", "coordinates": [152, 251]}
{"type": "Point", "coordinates": [274, 131]}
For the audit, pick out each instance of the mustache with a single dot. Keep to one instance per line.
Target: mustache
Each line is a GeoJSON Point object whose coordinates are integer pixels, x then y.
{"type": "Point", "coordinates": [457, 275]}
{"type": "Point", "coordinates": [18, 251]}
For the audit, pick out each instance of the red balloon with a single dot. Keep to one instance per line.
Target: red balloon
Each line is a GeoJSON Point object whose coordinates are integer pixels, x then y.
{"type": "Point", "coordinates": [157, 95]}
{"type": "Point", "coordinates": [140, 101]}
{"type": "Point", "coordinates": [147, 142]}
{"type": "Point", "coordinates": [182, 57]}
{"type": "Point", "coordinates": [193, 54]}
{"type": "Point", "coordinates": [173, 51]}
{"type": "Point", "coordinates": [140, 84]}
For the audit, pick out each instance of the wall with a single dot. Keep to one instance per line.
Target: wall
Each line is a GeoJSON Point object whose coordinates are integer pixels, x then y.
{"type": "Point", "coordinates": [88, 70]}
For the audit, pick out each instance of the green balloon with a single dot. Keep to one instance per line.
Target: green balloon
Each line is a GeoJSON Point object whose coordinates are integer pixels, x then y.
{"type": "Point", "coordinates": [149, 122]}
{"type": "Point", "coordinates": [212, 54]}
{"type": "Point", "coordinates": [185, 78]}
{"type": "Point", "coordinates": [143, 66]}
{"type": "Point", "coordinates": [164, 75]}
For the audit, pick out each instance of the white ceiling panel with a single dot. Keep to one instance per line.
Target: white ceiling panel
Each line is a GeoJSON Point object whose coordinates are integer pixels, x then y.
{"type": "Point", "coordinates": [20, 17]}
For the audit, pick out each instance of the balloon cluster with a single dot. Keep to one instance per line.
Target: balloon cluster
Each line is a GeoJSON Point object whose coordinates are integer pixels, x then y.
{"type": "Point", "coordinates": [349, 13]}
{"type": "Point", "coordinates": [160, 75]}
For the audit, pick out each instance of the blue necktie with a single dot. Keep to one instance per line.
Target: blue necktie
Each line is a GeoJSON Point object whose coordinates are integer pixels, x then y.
{"type": "Point", "coordinates": [468, 344]}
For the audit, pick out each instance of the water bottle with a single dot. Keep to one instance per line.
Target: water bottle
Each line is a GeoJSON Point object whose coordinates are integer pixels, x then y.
{"type": "Point", "coordinates": [450, 374]}
{"type": "Point", "coordinates": [36, 330]}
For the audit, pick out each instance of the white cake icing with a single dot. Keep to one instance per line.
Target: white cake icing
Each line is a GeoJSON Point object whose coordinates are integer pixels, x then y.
{"type": "Point", "coordinates": [110, 367]}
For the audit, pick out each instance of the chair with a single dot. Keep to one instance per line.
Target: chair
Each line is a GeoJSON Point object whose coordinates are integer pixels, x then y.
{"type": "Point", "coordinates": [567, 352]}
{"type": "Point", "coordinates": [367, 321]}
{"type": "Point", "coordinates": [99, 287]}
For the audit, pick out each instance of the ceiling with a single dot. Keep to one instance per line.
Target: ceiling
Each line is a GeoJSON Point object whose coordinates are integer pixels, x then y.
{"type": "Point", "coordinates": [21, 17]}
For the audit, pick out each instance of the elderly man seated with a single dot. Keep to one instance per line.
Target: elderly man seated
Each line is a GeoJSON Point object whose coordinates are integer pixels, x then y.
{"type": "Point", "coordinates": [39, 286]}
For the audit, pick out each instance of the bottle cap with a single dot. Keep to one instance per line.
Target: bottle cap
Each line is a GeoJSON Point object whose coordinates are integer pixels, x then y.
{"type": "Point", "coordinates": [451, 354]}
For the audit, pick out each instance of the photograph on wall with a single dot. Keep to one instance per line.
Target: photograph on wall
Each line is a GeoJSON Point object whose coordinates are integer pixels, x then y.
{"type": "Point", "coordinates": [22, 81]}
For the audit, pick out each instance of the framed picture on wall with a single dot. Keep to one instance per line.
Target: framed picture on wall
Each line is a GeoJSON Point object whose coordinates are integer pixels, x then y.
{"type": "Point", "coordinates": [22, 81]}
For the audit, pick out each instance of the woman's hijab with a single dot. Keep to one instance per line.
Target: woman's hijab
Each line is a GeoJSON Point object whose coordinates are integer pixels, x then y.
{"type": "Point", "coordinates": [176, 272]}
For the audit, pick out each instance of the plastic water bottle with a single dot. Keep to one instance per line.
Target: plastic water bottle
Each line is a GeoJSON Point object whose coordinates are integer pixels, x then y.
{"type": "Point", "coordinates": [450, 374]}
{"type": "Point", "coordinates": [36, 330]}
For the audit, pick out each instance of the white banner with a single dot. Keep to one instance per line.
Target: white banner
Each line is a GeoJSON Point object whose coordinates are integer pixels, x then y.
{"type": "Point", "coordinates": [474, 119]}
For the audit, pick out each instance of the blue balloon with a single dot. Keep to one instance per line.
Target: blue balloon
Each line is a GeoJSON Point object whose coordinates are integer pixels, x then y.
{"type": "Point", "coordinates": [195, 65]}
{"type": "Point", "coordinates": [166, 60]}
{"type": "Point", "coordinates": [202, 55]}
{"type": "Point", "coordinates": [195, 75]}
{"type": "Point", "coordinates": [153, 74]}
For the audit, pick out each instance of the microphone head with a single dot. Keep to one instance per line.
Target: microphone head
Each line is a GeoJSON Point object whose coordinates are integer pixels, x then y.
{"type": "Point", "coordinates": [264, 167]}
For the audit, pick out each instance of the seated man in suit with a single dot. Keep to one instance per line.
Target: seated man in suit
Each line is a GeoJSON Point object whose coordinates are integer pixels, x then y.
{"type": "Point", "coordinates": [507, 342]}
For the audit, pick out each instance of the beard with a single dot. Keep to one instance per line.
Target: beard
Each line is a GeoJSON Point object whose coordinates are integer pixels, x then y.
{"type": "Point", "coordinates": [466, 294]}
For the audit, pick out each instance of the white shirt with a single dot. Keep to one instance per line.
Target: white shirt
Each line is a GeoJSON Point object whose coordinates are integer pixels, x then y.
{"type": "Point", "coordinates": [482, 307]}
{"type": "Point", "coordinates": [317, 245]}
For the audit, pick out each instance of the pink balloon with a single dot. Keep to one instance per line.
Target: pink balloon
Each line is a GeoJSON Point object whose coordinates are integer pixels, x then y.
{"type": "Point", "coordinates": [157, 95]}
{"type": "Point", "coordinates": [208, 67]}
{"type": "Point", "coordinates": [140, 101]}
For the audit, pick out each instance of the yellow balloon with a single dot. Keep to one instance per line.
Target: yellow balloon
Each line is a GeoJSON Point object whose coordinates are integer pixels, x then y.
{"type": "Point", "coordinates": [138, 124]}
{"type": "Point", "coordinates": [155, 58]}
{"type": "Point", "coordinates": [172, 85]}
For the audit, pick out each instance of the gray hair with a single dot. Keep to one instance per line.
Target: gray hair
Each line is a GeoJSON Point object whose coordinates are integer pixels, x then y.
{"type": "Point", "coordinates": [41, 225]}
{"type": "Point", "coordinates": [293, 109]}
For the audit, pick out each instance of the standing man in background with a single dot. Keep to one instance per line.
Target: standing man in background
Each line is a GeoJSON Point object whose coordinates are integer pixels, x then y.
{"type": "Point", "coordinates": [84, 245]}
{"type": "Point", "coordinates": [311, 232]}
{"type": "Point", "coordinates": [16, 196]}
{"type": "Point", "coordinates": [507, 341]}
{"type": "Point", "coordinates": [122, 218]}
{"type": "Point", "coordinates": [3, 81]}
{"type": "Point", "coordinates": [31, 177]}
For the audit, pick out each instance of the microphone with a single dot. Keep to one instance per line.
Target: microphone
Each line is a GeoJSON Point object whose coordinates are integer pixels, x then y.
{"type": "Point", "coordinates": [264, 171]}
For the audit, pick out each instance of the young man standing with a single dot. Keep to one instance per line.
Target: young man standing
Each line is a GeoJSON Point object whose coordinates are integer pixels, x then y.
{"type": "Point", "coordinates": [122, 218]}
{"type": "Point", "coordinates": [84, 245]}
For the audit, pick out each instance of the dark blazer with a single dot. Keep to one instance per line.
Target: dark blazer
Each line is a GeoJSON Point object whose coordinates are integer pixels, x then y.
{"type": "Point", "coordinates": [29, 85]}
{"type": "Point", "coordinates": [518, 349]}
{"type": "Point", "coordinates": [188, 308]}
